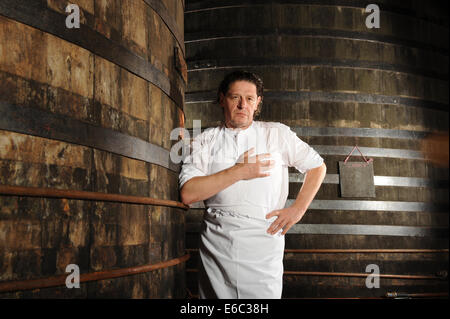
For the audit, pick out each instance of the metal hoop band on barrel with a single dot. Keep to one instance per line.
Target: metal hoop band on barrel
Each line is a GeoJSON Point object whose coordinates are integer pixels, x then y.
{"type": "Point", "coordinates": [161, 10]}
{"type": "Point", "coordinates": [205, 97]}
{"type": "Point", "coordinates": [362, 36]}
{"type": "Point", "coordinates": [207, 5]}
{"type": "Point", "coordinates": [37, 15]}
{"type": "Point", "coordinates": [246, 63]}
{"type": "Point", "coordinates": [368, 205]}
{"type": "Point", "coordinates": [94, 276]}
{"type": "Point", "coordinates": [32, 121]}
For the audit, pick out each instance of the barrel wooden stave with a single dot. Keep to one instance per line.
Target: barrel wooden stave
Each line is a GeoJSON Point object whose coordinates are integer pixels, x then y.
{"type": "Point", "coordinates": [305, 16]}
{"type": "Point", "coordinates": [322, 68]}
{"type": "Point", "coordinates": [334, 79]}
{"type": "Point", "coordinates": [384, 193]}
{"type": "Point", "coordinates": [314, 114]}
{"type": "Point", "coordinates": [54, 75]}
{"type": "Point", "coordinates": [288, 48]}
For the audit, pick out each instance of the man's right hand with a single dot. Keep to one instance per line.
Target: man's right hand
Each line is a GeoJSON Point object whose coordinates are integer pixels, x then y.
{"type": "Point", "coordinates": [247, 167]}
{"type": "Point", "coordinates": [251, 166]}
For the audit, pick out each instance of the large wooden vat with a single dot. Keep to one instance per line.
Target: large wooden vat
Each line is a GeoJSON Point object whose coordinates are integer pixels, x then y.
{"type": "Point", "coordinates": [86, 116]}
{"type": "Point", "coordinates": [339, 84]}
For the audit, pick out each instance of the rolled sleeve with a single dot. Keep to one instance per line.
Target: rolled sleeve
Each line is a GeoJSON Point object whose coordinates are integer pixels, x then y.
{"type": "Point", "coordinates": [189, 171]}
{"type": "Point", "coordinates": [299, 154]}
{"type": "Point", "coordinates": [196, 162]}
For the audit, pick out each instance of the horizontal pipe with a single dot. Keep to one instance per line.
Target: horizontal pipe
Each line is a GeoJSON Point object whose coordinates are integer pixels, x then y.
{"type": "Point", "coordinates": [96, 196]}
{"type": "Point", "coordinates": [346, 274]}
{"type": "Point", "coordinates": [388, 295]}
{"type": "Point", "coordinates": [423, 295]}
{"type": "Point", "coordinates": [191, 296]}
{"type": "Point", "coordinates": [355, 251]}
{"type": "Point", "coordinates": [349, 274]}
{"type": "Point", "coordinates": [94, 276]}
{"type": "Point", "coordinates": [416, 295]}
{"type": "Point", "coordinates": [367, 251]}
{"type": "Point", "coordinates": [334, 298]}
{"type": "Point", "coordinates": [364, 298]}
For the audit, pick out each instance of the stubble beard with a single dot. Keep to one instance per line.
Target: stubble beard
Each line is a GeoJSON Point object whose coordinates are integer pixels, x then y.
{"type": "Point", "coordinates": [237, 123]}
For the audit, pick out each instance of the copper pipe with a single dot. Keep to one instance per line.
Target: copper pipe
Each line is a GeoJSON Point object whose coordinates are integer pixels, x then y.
{"type": "Point", "coordinates": [323, 298]}
{"type": "Point", "coordinates": [347, 274]}
{"type": "Point", "coordinates": [96, 196]}
{"type": "Point", "coordinates": [350, 274]}
{"type": "Point", "coordinates": [425, 295]}
{"type": "Point", "coordinates": [334, 251]}
{"type": "Point", "coordinates": [430, 295]}
{"type": "Point", "coordinates": [191, 296]}
{"type": "Point", "coordinates": [326, 251]}
{"type": "Point", "coordinates": [191, 270]}
{"type": "Point", "coordinates": [416, 295]}
{"type": "Point", "coordinates": [94, 276]}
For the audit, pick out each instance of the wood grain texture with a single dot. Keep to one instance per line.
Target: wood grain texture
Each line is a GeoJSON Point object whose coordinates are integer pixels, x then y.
{"type": "Point", "coordinates": [116, 73]}
{"type": "Point", "coordinates": [324, 69]}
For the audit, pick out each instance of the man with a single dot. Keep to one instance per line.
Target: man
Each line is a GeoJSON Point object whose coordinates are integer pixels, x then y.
{"type": "Point", "coordinates": [240, 170]}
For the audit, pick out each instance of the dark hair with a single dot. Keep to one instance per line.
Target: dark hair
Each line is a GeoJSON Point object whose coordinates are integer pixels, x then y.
{"type": "Point", "coordinates": [242, 76]}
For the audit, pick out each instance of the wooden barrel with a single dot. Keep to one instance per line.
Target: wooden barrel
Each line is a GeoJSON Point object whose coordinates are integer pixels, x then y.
{"type": "Point", "coordinates": [338, 84]}
{"type": "Point", "coordinates": [86, 180]}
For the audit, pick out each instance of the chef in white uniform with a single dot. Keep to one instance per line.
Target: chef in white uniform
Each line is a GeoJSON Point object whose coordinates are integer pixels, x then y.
{"type": "Point", "coordinates": [240, 171]}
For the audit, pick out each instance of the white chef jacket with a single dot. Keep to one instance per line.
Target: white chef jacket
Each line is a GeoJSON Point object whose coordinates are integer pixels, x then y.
{"type": "Point", "coordinates": [220, 147]}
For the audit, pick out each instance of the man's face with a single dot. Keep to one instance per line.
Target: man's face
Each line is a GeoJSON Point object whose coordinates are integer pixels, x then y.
{"type": "Point", "coordinates": [239, 104]}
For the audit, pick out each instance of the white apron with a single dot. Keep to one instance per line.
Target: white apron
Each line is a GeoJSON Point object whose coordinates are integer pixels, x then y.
{"type": "Point", "coordinates": [238, 258]}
